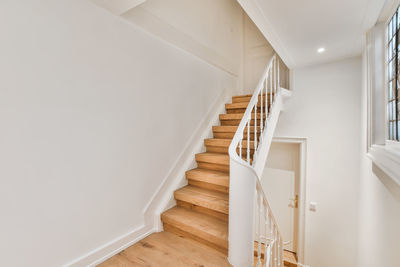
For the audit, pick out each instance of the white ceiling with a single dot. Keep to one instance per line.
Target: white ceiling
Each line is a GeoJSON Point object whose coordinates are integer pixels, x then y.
{"type": "Point", "coordinates": [302, 26]}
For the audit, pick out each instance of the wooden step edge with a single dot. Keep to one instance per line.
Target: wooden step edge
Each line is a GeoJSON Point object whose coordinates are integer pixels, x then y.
{"type": "Point", "coordinates": [218, 215]}
{"type": "Point", "coordinates": [248, 95]}
{"type": "Point", "coordinates": [232, 129]}
{"type": "Point", "coordinates": [205, 198]}
{"type": "Point", "coordinates": [207, 176]}
{"type": "Point", "coordinates": [225, 143]}
{"type": "Point", "coordinates": [213, 158]}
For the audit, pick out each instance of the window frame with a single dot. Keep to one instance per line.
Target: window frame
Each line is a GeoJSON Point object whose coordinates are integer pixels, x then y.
{"type": "Point", "coordinates": [383, 152]}
{"type": "Point", "coordinates": [395, 32]}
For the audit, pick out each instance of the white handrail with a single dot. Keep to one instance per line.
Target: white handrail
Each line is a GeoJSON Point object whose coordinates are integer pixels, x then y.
{"type": "Point", "coordinates": [245, 184]}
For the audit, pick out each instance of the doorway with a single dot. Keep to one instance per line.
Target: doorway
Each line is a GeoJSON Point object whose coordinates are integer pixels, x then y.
{"type": "Point", "coordinates": [283, 182]}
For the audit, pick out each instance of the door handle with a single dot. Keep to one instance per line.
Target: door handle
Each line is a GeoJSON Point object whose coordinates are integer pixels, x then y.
{"type": "Point", "coordinates": [294, 202]}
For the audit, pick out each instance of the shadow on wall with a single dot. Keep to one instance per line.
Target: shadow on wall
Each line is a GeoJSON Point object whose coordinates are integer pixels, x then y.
{"type": "Point", "coordinates": [388, 182]}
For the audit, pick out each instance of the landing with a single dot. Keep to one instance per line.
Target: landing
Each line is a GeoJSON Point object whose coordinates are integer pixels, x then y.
{"type": "Point", "coordinates": [167, 249]}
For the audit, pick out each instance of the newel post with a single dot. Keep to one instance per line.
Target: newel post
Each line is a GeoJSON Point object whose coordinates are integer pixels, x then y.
{"type": "Point", "coordinates": [242, 190]}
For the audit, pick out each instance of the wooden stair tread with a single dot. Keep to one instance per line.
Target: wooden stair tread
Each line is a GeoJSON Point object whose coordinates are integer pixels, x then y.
{"type": "Point", "coordinates": [208, 176]}
{"type": "Point", "coordinates": [225, 142]}
{"type": "Point", "coordinates": [212, 200]}
{"type": "Point", "coordinates": [200, 225]}
{"type": "Point", "coordinates": [238, 96]}
{"type": "Point", "coordinates": [236, 116]}
{"type": "Point", "coordinates": [246, 95]}
{"type": "Point", "coordinates": [231, 129]}
{"type": "Point", "coordinates": [246, 98]}
{"type": "Point", "coordinates": [242, 105]}
{"type": "Point", "coordinates": [216, 158]}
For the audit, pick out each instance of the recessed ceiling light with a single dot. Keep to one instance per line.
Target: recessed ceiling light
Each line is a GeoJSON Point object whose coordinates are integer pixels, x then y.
{"type": "Point", "coordinates": [321, 50]}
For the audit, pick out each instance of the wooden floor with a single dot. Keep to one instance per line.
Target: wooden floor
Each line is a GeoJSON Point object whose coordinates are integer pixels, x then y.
{"type": "Point", "coordinates": [167, 249]}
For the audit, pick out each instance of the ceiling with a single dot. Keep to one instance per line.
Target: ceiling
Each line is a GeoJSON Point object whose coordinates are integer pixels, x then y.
{"type": "Point", "coordinates": [302, 26]}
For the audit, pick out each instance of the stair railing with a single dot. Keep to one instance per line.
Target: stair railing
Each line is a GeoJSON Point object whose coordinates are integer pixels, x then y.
{"type": "Point", "coordinates": [251, 222]}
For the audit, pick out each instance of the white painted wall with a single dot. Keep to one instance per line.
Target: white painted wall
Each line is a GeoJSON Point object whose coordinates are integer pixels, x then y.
{"type": "Point", "coordinates": [257, 53]}
{"type": "Point", "coordinates": [325, 108]}
{"type": "Point", "coordinates": [218, 32]}
{"type": "Point", "coordinates": [211, 30]}
{"type": "Point", "coordinates": [93, 113]}
{"type": "Point", "coordinates": [379, 206]}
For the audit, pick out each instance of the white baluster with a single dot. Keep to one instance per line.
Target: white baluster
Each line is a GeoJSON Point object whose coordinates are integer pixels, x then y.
{"type": "Point", "coordinates": [262, 117]}
{"type": "Point", "coordinates": [240, 146]}
{"type": "Point", "coordinates": [276, 246]}
{"type": "Point", "coordinates": [255, 130]}
{"type": "Point", "coordinates": [271, 235]}
{"type": "Point", "coordinates": [270, 89]}
{"type": "Point", "coordinates": [266, 254]}
{"type": "Point", "coordinates": [266, 101]}
{"type": "Point", "coordinates": [282, 261]}
{"type": "Point", "coordinates": [279, 78]}
{"type": "Point", "coordinates": [259, 229]}
{"type": "Point", "coordinates": [279, 250]}
{"type": "Point", "coordinates": [248, 140]}
{"type": "Point", "coordinates": [275, 78]}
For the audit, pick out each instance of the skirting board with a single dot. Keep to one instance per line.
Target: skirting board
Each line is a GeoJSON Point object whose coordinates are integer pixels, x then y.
{"type": "Point", "coordinates": [115, 246]}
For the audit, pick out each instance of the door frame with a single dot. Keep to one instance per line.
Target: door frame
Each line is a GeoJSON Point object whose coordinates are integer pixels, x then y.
{"type": "Point", "coordinates": [302, 192]}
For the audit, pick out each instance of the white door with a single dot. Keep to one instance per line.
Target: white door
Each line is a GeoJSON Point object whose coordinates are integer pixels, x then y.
{"type": "Point", "coordinates": [279, 187]}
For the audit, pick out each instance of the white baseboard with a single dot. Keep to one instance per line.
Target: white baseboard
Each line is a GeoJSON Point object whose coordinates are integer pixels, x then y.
{"type": "Point", "coordinates": [113, 247]}
{"type": "Point", "coordinates": [163, 197]}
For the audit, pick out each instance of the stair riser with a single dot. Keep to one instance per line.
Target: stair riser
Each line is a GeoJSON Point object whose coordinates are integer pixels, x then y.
{"type": "Point", "coordinates": [244, 105]}
{"type": "Point", "coordinates": [247, 98]}
{"type": "Point", "coordinates": [238, 116]}
{"type": "Point", "coordinates": [224, 150]}
{"type": "Point", "coordinates": [213, 166]}
{"type": "Point", "coordinates": [217, 179]}
{"type": "Point", "coordinates": [210, 241]}
{"type": "Point", "coordinates": [212, 206]}
{"type": "Point", "coordinates": [221, 216]}
{"type": "Point", "coordinates": [236, 122]}
{"type": "Point", "coordinates": [230, 136]}
{"type": "Point", "coordinates": [242, 110]}
{"type": "Point", "coordinates": [214, 187]}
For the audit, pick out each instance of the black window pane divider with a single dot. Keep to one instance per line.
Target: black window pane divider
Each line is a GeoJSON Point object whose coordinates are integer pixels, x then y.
{"type": "Point", "coordinates": [393, 59]}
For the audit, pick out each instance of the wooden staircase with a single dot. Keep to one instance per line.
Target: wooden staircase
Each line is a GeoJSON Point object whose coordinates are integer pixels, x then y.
{"type": "Point", "coordinates": [202, 209]}
{"type": "Point", "coordinates": [203, 205]}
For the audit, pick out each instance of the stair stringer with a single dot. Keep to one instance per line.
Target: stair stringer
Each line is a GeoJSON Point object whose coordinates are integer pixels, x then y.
{"type": "Point", "coordinates": [163, 198]}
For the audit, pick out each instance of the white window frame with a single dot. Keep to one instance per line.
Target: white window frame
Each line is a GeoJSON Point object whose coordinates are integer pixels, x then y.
{"type": "Point", "coordinates": [384, 153]}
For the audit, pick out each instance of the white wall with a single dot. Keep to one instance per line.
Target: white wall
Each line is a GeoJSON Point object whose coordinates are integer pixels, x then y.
{"type": "Point", "coordinates": [93, 113]}
{"type": "Point", "coordinates": [257, 53]}
{"type": "Point", "coordinates": [325, 108]}
{"type": "Point", "coordinates": [379, 206]}
{"type": "Point", "coordinates": [211, 30]}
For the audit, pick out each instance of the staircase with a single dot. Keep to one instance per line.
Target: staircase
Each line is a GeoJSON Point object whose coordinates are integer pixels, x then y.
{"type": "Point", "coordinates": [199, 221]}
{"type": "Point", "coordinates": [203, 205]}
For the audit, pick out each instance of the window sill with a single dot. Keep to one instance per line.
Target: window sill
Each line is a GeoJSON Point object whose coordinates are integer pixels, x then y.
{"type": "Point", "coordinates": [388, 159]}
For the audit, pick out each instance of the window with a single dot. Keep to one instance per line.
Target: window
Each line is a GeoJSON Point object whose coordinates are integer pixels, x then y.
{"type": "Point", "coordinates": [393, 56]}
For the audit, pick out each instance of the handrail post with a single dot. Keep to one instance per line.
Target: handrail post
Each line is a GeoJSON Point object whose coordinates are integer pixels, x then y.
{"type": "Point", "coordinates": [242, 190]}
